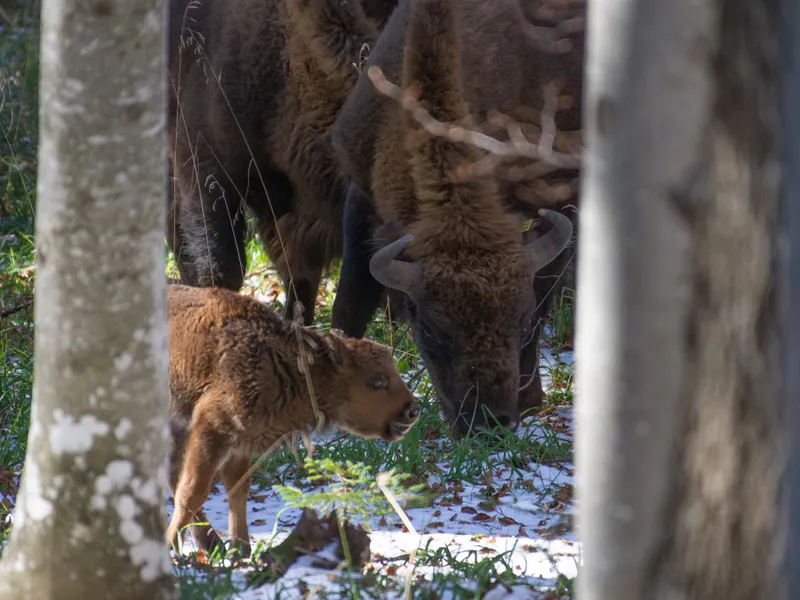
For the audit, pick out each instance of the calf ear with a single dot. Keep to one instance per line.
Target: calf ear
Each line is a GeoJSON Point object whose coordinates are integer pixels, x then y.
{"type": "Point", "coordinates": [336, 347]}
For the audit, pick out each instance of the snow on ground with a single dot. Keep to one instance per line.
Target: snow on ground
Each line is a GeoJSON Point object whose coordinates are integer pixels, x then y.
{"type": "Point", "coordinates": [530, 519]}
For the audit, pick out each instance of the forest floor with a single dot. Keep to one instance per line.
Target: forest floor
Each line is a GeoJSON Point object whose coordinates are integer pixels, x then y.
{"type": "Point", "coordinates": [494, 518]}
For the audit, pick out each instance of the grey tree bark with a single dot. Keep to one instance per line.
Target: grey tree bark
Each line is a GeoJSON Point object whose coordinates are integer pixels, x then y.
{"type": "Point", "coordinates": [789, 265]}
{"type": "Point", "coordinates": [682, 394]}
{"type": "Point", "coordinates": [90, 516]}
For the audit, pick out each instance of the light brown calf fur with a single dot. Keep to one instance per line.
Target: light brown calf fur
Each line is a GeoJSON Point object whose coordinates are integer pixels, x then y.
{"type": "Point", "coordinates": [236, 389]}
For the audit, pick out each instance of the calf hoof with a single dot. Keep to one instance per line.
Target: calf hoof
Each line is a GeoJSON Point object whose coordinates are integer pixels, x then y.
{"type": "Point", "coordinates": [243, 546]}
{"type": "Point", "coordinates": [206, 539]}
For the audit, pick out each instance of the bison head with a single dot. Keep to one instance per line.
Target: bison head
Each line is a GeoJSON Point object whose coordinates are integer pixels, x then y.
{"type": "Point", "coordinates": [470, 312]}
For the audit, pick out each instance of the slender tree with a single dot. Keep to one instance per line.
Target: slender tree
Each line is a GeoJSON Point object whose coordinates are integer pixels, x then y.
{"type": "Point", "coordinates": [682, 280]}
{"type": "Point", "coordinates": [90, 516]}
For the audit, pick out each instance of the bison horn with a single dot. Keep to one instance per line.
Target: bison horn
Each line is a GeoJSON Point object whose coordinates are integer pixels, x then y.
{"type": "Point", "coordinates": [394, 273]}
{"type": "Point", "coordinates": [544, 249]}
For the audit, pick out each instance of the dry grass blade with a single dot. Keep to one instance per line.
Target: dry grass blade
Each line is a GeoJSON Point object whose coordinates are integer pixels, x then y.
{"type": "Point", "coordinates": [383, 480]}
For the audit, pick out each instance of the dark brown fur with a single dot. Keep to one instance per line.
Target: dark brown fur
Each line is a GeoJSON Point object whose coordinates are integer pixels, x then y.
{"type": "Point", "coordinates": [236, 389]}
{"type": "Point", "coordinates": [255, 87]}
{"type": "Point", "coordinates": [477, 314]}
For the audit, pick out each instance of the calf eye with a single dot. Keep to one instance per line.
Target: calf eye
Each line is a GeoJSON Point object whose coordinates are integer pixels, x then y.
{"type": "Point", "coordinates": [378, 382]}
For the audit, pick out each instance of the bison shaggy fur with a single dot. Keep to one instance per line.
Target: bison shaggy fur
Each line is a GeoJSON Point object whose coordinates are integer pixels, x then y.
{"type": "Point", "coordinates": [450, 245]}
{"type": "Point", "coordinates": [255, 88]}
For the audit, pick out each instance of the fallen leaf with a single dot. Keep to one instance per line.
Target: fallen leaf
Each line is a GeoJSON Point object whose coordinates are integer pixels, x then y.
{"type": "Point", "coordinates": [507, 521]}
{"type": "Point", "coordinates": [383, 522]}
{"type": "Point", "coordinates": [482, 517]}
{"type": "Point", "coordinates": [258, 522]}
{"type": "Point", "coordinates": [469, 510]}
{"type": "Point", "coordinates": [436, 524]}
{"type": "Point", "coordinates": [258, 497]}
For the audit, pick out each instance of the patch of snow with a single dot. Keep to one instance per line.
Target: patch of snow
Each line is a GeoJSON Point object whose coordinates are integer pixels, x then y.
{"type": "Point", "coordinates": [123, 428]}
{"type": "Point", "coordinates": [118, 474]}
{"type": "Point", "coordinates": [75, 437]}
{"type": "Point", "coordinates": [153, 557]}
{"type": "Point", "coordinates": [123, 362]}
{"type": "Point", "coordinates": [147, 491]}
{"type": "Point", "coordinates": [36, 506]}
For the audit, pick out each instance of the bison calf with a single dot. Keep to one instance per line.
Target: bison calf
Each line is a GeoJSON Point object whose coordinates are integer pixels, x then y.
{"type": "Point", "coordinates": [236, 389]}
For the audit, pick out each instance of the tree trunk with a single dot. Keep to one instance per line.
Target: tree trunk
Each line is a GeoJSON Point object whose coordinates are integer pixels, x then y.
{"type": "Point", "coordinates": [682, 414]}
{"type": "Point", "coordinates": [789, 265]}
{"type": "Point", "coordinates": [90, 516]}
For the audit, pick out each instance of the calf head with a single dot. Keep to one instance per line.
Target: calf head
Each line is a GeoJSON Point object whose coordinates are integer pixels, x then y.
{"type": "Point", "coordinates": [375, 403]}
{"type": "Point", "coordinates": [470, 309]}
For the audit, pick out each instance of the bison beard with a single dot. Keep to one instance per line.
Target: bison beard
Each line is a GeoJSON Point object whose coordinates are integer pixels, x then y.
{"type": "Point", "coordinates": [451, 251]}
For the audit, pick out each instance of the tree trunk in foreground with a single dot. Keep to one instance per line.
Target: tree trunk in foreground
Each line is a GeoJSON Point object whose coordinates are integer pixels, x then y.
{"type": "Point", "coordinates": [90, 517]}
{"type": "Point", "coordinates": [682, 412]}
{"type": "Point", "coordinates": [789, 292]}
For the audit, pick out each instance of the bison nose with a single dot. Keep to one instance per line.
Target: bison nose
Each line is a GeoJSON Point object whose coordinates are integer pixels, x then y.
{"type": "Point", "coordinates": [411, 412]}
{"type": "Point", "coordinates": [508, 421]}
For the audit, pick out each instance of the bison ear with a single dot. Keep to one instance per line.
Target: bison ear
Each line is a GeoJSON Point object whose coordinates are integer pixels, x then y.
{"type": "Point", "coordinates": [544, 249]}
{"type": "Point", "coordinates": [336, 347]}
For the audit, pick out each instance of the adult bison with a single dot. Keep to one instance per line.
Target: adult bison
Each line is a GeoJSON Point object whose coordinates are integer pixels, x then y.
{"type": "Point", "coordinates": [256, 86]}
{"type": "Point", "coordinates": [451, 251]}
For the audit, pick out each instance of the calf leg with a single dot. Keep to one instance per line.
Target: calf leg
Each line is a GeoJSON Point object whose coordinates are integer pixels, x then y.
{"type": "Point", "coordinates": [204, 536]}
{"type": "Point", "coordinates": [359, 294]}
{"type": "Point", "coordinates": [233, 470]}
{"type": "Point", "coordinates": [205, 451]}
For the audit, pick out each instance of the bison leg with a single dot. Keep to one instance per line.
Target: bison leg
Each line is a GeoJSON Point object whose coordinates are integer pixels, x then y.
{"type": "Point", "coordinates": [233, 470]}
{"type": "Point", "coordinates": [547, 284]}
{"type": "Point", "coordinates": [212, 228]}
{"type": "Point", "coordinates": [359, 294]}
{"type": "Point", "coordinates": [204, 452]}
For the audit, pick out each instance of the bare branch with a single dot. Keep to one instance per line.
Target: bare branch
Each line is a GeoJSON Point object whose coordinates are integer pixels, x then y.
{"type": "Point", "coordinates": [517, 147]}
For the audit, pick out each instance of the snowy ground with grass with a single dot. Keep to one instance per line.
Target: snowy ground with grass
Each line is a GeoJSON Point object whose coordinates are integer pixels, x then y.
{"type": "Point", "coordinates": [495, 519]}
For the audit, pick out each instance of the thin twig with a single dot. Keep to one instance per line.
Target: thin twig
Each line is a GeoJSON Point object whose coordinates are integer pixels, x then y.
{"type": "Point", "coordinates": [15, 309]}
{"type": "Point", "coordinates": [5, 17]}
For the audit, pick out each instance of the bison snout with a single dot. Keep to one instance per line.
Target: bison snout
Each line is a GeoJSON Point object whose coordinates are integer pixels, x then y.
{"type": "Point", "coordinates": [486, 416]}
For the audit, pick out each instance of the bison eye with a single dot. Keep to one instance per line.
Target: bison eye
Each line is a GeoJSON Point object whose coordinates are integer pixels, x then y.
{"type": "Point", "coordinates": [378, 382]}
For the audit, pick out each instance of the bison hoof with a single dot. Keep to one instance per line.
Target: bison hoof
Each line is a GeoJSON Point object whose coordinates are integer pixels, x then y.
{"type": "Point", "coordinates": [532, 396]}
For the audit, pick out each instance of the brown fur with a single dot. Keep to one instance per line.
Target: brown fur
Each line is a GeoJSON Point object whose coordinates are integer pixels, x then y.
{"type": "Point", "coordinates": [256, 86]}
{"type": "Point", "coordinates": [236, 389]}
{"type": "Point", "coordinates": [477, 318]}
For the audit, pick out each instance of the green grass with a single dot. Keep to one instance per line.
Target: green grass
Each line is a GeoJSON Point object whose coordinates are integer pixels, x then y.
{"type": "Point", "coordinates": [428, 454]}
